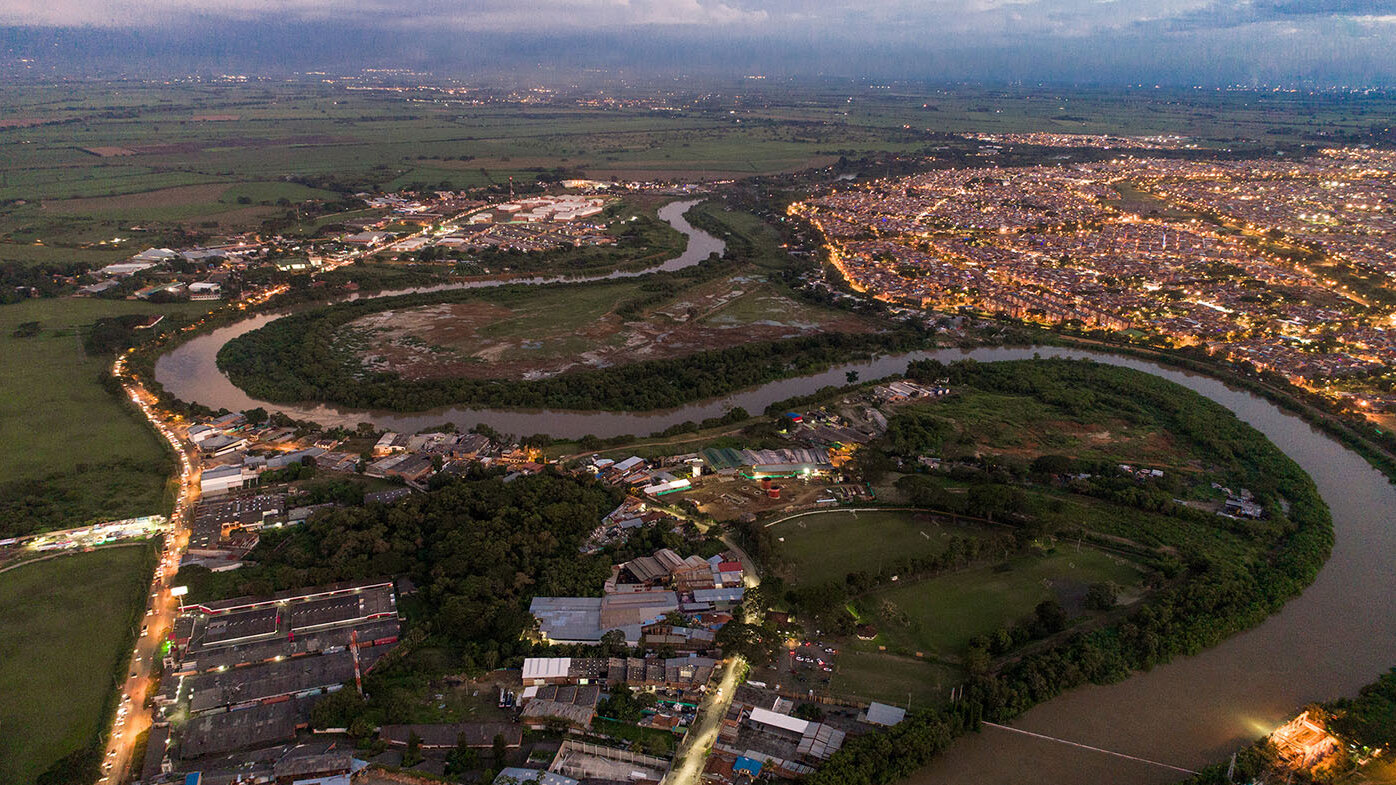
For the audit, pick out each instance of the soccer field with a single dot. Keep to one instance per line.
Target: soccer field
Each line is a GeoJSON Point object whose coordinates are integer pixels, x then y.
{"type": "Point", "coordinates": [826, 546]}
{"type": "Point", "coordinates": [67, 623]}
{"type": "Point", "coordinates": [877, 676]}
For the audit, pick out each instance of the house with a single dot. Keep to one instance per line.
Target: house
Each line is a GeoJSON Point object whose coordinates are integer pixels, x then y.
{"type": "Point", "coordinates": [124, 269]}
{"type": "Point", "coordinates": [368, 238]}
{"type": "Point", "coordinates": [1303, 741]}
{"type": "Point", "coordinates": [719, 599]}
{"type": "Point", "coordinates": [388, 444]}
{"type": "Point", "coordinates": [411, 467]}
{"type": "Point", "coordinates": [666, 566]}
{"type": "Point", "coordinates": [156, 255]}
{"type": "Point", "coordinates": [99, 287]}
{"type": "Point", "coordinates": [229, 420]}
{"type": "Point", "coordinates": [200, 432]}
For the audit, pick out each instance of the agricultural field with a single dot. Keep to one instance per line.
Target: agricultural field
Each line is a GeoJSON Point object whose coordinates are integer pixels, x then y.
{"type": "Point", "coordinates": [542, 333]}
{"type": "Point", "coordinates": [75, 451]}
{"type": "Point", "coordinates": [939, 616]}
{"type": "Point", "coordinates": [67, 621]}
{"type": "Point", "coordinates": [180, 157]}
{"type": "Point", "coordinates": [826, 546]}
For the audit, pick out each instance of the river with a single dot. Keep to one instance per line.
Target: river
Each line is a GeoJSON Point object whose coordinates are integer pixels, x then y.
{"type": "Point", "coordinates": [1340, 634]}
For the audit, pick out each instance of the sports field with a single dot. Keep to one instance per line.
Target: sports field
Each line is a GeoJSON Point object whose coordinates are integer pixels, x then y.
{"type": "Point", "coordinates": [826, 546]}
{"type": "Point", "coordinates": [74, 452]}
{"type": "Point", "coordinates": [890, 678]}
{"type": "Point", "coordinates": [67, 621]}
{"type": "Point", "coordinates": [939, 616]}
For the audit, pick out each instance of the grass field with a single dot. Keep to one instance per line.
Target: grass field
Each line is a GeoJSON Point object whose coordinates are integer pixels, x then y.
{"type": "Point", "coordinates": [890, 678]}
{"type": "Point", "coordinates": [1017, 425]}
{"type": "Point", "coordinates": [74, 452]}
{"type": "Point", "coordinates": [827, 546]}
{"type": "Point", "coordinates": [939, 616]}
{"type": "Point", "coordinates": [66, 621]}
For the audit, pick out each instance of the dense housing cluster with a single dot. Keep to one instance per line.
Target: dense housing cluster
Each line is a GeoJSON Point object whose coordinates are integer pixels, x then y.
{"type": "Point", "coordinates": [1258, 261]}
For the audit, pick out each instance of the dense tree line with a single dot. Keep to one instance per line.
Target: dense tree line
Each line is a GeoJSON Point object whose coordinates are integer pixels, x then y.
{"type": "Point", "coordinates": [112, 334]}
{"type": "Point", "coordinates": [1369, 720]}
{"type": "Point", "coordinates": [22, 280]}
{"type": "Point", "coordinates": [267, 370]}
{"type": "Point", "coordinates": [1213, 599]}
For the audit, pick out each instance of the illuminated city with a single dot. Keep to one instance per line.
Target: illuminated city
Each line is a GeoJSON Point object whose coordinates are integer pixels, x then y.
{"type": "Point", "coordinates": [1287, 267]}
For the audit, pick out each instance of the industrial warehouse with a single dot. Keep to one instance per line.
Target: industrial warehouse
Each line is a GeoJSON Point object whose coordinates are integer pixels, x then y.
{"type": "Point", "coordinates": [245, 673]}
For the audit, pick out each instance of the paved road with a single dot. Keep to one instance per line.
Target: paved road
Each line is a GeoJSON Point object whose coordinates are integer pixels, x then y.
{"type": "Point", "coordinates": [693, 753]}
{"type": "Point", "coordinates": [132, 716]}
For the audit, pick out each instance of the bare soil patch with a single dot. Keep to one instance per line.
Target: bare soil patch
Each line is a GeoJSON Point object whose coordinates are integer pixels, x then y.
{"type": "Point", "coordinates": [481, 340]}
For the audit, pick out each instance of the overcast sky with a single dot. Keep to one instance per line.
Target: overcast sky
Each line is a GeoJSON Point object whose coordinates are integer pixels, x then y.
{"type": "Point", "coordinates": [1174, 41]}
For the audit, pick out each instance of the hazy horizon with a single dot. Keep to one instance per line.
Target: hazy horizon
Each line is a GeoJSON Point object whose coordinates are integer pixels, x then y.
{"type": "Point", "coordinates": [1170, 42]}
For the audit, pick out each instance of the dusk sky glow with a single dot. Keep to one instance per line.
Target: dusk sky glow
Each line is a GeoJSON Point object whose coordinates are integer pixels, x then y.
{"type": "Point", "coordinates": [1088, 41]}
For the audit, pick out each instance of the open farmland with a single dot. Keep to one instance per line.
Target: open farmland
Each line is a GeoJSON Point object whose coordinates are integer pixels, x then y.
{"type": "Point", "coordinates": [69, 142]}
{"type": "Point", "coordinates": [536, 334]}
{"type": "Point", "coordinates": [67, 621]}
{"type": "Point", "coordinates": [75, 451]}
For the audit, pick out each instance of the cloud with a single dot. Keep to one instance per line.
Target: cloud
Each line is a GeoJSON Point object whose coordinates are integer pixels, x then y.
{"type": "Point", "coordinates": [1028, 40]}
{"type": "Point", "coordinates": [1225, 14]}
{"type": "Point", "coordinates": [497, 15]}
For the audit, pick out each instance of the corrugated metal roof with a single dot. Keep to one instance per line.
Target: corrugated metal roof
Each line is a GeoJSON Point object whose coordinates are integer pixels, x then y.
{"type": "Point", "coordinates": [768, 717]}
{"type": "Point", "coordinates": [546, 667]}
